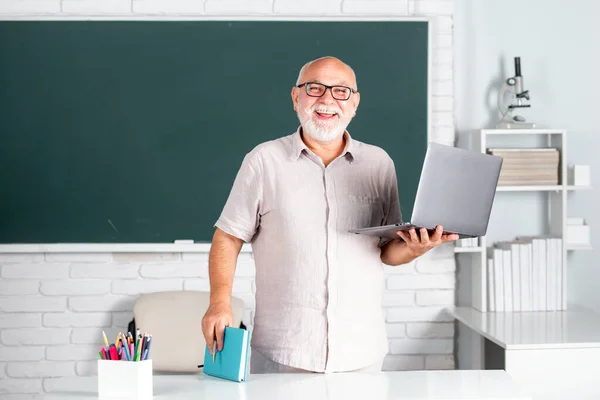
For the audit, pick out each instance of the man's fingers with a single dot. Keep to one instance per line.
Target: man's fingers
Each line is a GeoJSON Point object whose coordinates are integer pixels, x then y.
{"type": "Point", "coordinates": [220, 332]}
{"type": "Point", "coordinates": [403, 235]}
{"type": "Point", "coordinates": [439, 230]}
{"type": "Point", "coordinates": [450, 237]}
{"type": "Point", "coordinates": [209, 336]}
{"type": "Point", "coordinates": [413, 235]}
{"type": "Point", "coordinates": [424, 236]}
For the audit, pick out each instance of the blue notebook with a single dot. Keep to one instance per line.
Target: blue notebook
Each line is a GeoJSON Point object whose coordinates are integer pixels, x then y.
{"type": "Point", "coordinates": [231, 362]}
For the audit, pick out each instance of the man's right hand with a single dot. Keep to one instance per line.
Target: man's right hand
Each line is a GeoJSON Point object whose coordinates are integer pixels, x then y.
{"type": "Point", "coordinates": [216, 318]}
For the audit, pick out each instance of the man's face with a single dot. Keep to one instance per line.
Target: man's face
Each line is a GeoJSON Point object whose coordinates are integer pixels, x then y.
{"type": "Point", "coordinates": [325, 118]}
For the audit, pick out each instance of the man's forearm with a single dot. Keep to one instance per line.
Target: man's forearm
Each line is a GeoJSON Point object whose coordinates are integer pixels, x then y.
{"type": "Point", "coordinates": [396, 252]}
{"type": "Point", "coordinates": [222, 260]}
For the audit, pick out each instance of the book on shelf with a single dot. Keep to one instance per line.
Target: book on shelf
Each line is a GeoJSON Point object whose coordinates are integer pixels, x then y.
{"type": "Point", "coordinates": [467, 242]}
{"type": "Point", "coordinates": [528, 166]}
{"type": "Point", "coordinates": [525, 274]}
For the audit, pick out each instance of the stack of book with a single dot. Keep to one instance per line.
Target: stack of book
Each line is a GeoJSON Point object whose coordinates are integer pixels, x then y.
{"type": "Point", "coordinates": [525, 275]}
{"type": "Point", "coordinates": [528, 166]}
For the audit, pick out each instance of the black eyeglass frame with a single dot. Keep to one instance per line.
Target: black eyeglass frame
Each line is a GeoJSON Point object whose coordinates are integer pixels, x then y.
{"type": "Point", "coordinates": [330, 89]}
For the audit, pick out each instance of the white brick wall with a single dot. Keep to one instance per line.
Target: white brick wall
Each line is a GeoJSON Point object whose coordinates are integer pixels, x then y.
{"type": "Point", "coordinates": [54, 306]}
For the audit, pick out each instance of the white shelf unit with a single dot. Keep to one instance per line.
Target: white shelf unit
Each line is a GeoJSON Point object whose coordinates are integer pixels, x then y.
{"type": "Point", "coordinates": [556, 198]}
{"type": "Point", "coordinates": [532, 346]}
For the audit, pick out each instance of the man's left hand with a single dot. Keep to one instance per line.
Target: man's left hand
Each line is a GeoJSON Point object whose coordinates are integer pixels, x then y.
{"type": "Point", "coordinates": [419, 244]}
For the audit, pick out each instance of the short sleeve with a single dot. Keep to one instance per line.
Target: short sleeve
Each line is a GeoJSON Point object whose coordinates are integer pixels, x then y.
{"type": "Point", "coordinates": [241, 214]}
{"type": "Point", "coordinates": [392, 213]}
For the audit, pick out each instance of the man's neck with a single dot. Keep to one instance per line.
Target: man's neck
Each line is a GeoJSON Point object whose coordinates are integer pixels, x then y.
{"type": "Point", "coordinates": [327, 151]}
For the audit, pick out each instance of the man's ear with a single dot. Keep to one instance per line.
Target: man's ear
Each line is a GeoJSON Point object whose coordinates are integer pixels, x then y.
{"type": "Point", "coordinates": [356, 101]}
{"type": "Point", "coordinates": [295, 98]}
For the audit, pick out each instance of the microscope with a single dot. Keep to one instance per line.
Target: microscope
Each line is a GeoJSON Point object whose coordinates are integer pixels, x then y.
{"type": "Point", "coordinates": [510, 97]}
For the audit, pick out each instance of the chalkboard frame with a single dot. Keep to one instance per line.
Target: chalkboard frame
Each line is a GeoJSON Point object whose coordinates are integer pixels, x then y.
{"type": "Point", "coordinates": [185, 245]}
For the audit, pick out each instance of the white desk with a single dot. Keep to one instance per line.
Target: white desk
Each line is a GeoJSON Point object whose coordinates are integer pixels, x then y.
{"type": "Point", "coordinates": [414, 385]}
{"type": "Point", "coordinates": [550, 354]}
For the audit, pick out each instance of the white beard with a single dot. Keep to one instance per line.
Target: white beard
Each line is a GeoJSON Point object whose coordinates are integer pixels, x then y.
{"type": "Point", "coordinates": [322, 131]}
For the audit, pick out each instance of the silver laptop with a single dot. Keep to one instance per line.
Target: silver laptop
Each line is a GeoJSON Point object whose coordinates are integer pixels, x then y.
{"type": "Point", "coordinates": [456, 190]}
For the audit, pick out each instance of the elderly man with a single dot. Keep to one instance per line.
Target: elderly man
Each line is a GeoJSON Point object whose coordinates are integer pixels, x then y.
{"type": "Point", "coordinates": [318, 288]}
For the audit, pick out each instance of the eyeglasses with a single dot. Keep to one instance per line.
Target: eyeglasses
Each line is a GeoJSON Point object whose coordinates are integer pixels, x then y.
{"type": "Point", "coordinates": [314, 89]}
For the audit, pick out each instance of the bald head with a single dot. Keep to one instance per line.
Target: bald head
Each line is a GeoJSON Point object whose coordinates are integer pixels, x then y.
{"type": "Point", "coordinates": [333, 66]}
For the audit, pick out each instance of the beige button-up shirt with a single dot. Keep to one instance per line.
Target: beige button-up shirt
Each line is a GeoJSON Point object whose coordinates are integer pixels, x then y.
{"type": "Point", "coordinates": [319, 288]}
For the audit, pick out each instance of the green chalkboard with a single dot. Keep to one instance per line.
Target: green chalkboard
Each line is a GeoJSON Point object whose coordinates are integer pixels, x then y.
{"type": "Point", "coordinates": [133, 131]}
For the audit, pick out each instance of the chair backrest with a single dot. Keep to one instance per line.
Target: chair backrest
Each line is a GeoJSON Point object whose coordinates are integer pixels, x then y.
{"type": "Point", "coordinates": [175, 321]}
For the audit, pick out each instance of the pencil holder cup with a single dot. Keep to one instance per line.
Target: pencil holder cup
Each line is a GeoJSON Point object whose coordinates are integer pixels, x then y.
{"type": "Point", "coordinates": [118, 379]}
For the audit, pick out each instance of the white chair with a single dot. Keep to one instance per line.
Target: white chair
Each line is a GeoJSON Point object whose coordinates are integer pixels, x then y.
{"type": "Point", "coordinates": [174, 319]}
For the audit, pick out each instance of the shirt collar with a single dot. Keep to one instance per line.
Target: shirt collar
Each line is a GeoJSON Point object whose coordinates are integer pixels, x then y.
{"type": "Point", "coordinates": [298, 146]}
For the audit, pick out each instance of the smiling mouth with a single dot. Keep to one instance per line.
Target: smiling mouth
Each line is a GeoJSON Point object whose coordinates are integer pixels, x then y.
{"type": "Point", "coordinates": [326, 114]}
